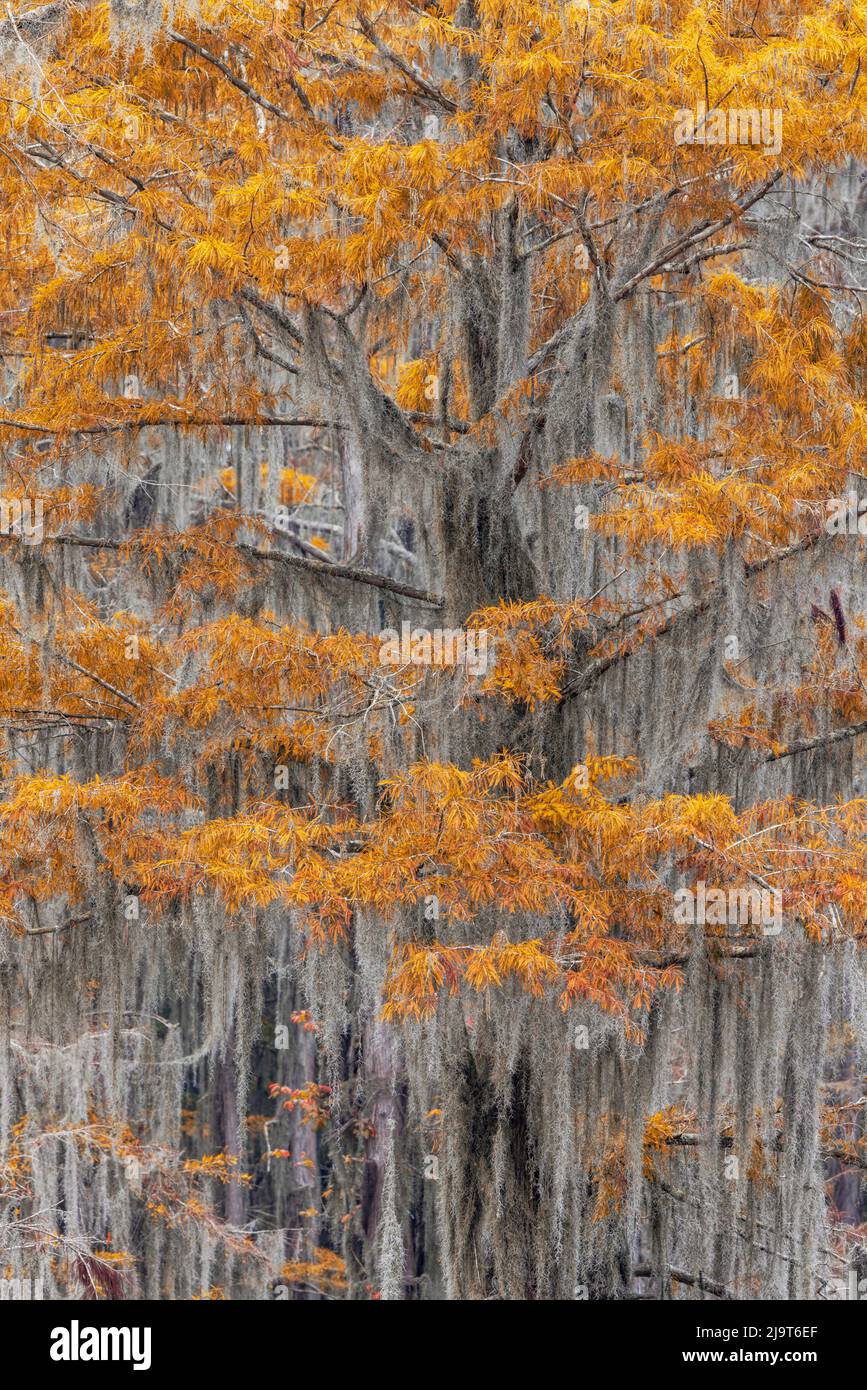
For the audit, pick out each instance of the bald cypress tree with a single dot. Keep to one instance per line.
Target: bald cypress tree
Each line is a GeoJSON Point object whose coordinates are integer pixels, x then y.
{"type": "Point", "coordinates": [432, 659]}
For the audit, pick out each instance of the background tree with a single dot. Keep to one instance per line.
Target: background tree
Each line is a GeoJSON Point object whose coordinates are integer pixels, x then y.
{"type": "Point", "coordinates": [331, 975]}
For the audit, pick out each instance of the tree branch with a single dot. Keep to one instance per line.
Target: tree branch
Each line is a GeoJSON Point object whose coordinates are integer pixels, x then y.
{"type": "Point", "coordinates": [230, 76]}
{"type": "Point", "coordinates": [680, 1276]}
{"type": "Point", "coordinates": [223, 421]}
{"type": "Point", "coordinates": [421, 84]}
{"type": "Point", "coordinates": [689, 239]}
{"type": "Point", "coordinates": [63, 926]}
{"type": "Point", "coordinates": [327, 569]}
{"type": "Point", "coordinates": [805, 745]}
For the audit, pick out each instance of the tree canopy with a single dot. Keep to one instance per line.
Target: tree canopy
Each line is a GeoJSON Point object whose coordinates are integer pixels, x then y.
{"type": "Point", "coordinates": [433, 657]}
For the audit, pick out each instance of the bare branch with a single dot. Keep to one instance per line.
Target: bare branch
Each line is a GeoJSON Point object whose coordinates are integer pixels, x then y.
{"type": "Point", "coordinates": [325, 568]}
